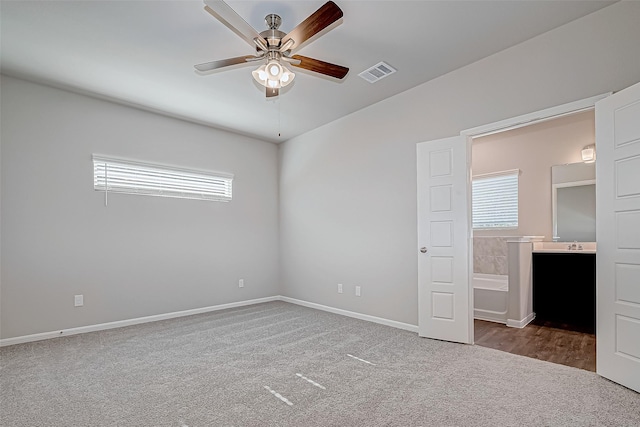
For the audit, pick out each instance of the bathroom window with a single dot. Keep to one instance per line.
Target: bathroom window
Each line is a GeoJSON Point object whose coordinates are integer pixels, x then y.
{"type": "Point", "coordinates": [495, 200]}
{"type": "Point", "coordinates": [125, 176]}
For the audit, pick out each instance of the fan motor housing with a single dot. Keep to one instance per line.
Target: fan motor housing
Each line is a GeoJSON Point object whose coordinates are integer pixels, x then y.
{"type": "Point", "coordinates": [273, 35]}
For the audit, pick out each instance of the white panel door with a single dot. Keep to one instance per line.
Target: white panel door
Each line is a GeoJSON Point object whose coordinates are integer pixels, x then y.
{"type": "Point", "coordinates": [444, 231]}
{"type": "Point", "coordinates": [618, 236]}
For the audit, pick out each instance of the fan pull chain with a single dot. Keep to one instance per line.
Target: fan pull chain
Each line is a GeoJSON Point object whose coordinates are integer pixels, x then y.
{"type": "Point", "coordinates": [279, 117]}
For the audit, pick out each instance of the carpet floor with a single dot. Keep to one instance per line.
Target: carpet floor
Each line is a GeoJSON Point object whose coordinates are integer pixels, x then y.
{"type": "Point", "coordinates": [278, 364]}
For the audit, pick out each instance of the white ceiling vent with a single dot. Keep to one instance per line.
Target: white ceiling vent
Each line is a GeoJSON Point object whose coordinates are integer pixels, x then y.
{"type": "Point", "coordinates": [377, 72]}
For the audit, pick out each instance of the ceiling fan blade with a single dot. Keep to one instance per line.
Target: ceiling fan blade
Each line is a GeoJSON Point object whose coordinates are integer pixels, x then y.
{"type": "Point", "coordinates": [272, 92]}
{"type": "Point", "coordinates": [223, 13]}
{"type": "Point", "coordinates": [214, 65]}
{"type": "Point", "coordinates": [314, 24]}
{"type": "Point", "coordinates": [317, 66]}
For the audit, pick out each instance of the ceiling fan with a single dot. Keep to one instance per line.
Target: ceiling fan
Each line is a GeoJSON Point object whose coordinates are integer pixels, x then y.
{"type": "Point", "coordinates": [274, 47]}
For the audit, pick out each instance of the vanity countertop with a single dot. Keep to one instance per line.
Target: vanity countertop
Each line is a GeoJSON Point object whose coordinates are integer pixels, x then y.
{"type": "Point", "coordinates": [565, 251]}
{"type": "Point", "coordinates": [565, 247]}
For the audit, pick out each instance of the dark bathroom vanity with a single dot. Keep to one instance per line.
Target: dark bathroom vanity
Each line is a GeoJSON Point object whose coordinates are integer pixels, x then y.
{"type": "Point", "coordinates": [564, 289]}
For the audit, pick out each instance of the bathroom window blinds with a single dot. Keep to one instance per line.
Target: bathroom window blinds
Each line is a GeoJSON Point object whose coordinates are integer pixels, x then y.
{"type": "Point", "coordinates": [495, 200]}
{"type": "Point", "coordinates": [125, 176]}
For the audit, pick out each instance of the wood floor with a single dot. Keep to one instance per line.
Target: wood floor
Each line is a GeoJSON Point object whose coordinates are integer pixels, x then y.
{"type": "Point", "coordinates": [540, 341]}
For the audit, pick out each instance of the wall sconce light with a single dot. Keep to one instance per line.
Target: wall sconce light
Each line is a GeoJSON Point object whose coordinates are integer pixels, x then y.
{"type": "Point", "coordinates": [589, 154]}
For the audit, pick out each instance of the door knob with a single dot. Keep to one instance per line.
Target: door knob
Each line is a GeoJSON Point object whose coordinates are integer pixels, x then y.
{"type": "Point", "coordinates": [423, 250]}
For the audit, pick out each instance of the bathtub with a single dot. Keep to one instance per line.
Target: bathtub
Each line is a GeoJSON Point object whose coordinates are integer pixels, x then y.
{"type": "Point", "coordinates": [490, 297]}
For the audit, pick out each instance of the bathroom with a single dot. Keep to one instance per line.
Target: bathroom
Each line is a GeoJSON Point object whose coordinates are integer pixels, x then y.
{"type": "Point", "coordinates": [553, 213]}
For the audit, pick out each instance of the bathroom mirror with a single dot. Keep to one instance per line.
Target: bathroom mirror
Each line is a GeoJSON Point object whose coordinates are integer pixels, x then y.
{"type": "Point", "coordinates": [573, 190]}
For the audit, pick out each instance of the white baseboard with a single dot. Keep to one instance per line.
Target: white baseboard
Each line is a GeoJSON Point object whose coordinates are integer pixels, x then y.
{"type": "Point", "coordinates": [521, 323]}
{"type": "Point", "coordinates": [374, 319]}
{"type": "Point", "coordinates": [129, 322]}
{"type": "Point", "coordinates": [157, 317]}
{"type": "Point", "coordinates": [490, 316]}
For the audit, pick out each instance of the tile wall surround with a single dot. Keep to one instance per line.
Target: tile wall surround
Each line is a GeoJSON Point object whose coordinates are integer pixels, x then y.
{"type": "Point", "coordinates": [490, 255]}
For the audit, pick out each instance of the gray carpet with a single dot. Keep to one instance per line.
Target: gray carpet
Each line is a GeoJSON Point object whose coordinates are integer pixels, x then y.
{"type": "Point", "coordinates": [244, 367]}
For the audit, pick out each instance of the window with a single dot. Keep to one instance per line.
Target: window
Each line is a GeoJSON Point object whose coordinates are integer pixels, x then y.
{"type": "Point", "coordinates": [124, 176]}
{"type": "Point", "coordinates": [495, 200]}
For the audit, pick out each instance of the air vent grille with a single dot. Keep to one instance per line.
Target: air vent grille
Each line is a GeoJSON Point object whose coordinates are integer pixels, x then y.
{"type": "Point", "coordinates": [377, 72]}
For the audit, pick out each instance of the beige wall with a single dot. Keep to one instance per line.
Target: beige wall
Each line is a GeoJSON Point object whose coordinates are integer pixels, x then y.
{"type": "Point", "coordinates": [533, 149]}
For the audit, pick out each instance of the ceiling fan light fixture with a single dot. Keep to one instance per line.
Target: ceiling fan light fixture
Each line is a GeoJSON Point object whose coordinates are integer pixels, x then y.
{"type": "Point", "coordinates": [273, 75]}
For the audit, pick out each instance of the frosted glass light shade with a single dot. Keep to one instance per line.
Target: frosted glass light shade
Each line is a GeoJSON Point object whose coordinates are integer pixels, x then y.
{"type": "Point", "coordinates": [589, 154]}
{"type": "Point", "coordinates": [273, 75]}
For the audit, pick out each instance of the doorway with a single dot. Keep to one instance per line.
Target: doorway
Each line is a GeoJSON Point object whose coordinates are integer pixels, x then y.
{"type": "Point", "coordinates": [533, 152]}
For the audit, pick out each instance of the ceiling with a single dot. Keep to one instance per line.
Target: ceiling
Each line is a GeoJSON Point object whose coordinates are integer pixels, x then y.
{"type": "Point", "coordinates": [143, 52]}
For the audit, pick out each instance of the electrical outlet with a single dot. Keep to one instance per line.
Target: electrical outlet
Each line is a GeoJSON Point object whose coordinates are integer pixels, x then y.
{"type": "Point", "coordinates": [241, 283]}
{"type": "Point", "coordinates": [339, 288]}
{"type": "Point", "coordinates": [78, 300]}
{"type": "Point", "coordinates": [357, 291]}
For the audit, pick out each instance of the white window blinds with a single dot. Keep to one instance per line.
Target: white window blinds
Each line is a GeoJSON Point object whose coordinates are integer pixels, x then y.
{"type": "Point", "coordinates": [124, 176]}
{"type": "Point", "coordinates": [495, 200]}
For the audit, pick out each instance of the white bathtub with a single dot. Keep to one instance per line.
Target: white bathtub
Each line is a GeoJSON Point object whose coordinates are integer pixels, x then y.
{"type": "Point", "coordinates": [490, 297]}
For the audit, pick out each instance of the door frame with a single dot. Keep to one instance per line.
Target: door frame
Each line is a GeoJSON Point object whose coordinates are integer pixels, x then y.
{"type": "Point", "coordinates": [535, 117]}
{"type": "Point", "coordinates": [524, 120]}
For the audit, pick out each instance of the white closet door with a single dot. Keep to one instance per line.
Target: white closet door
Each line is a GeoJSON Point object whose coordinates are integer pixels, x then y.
{"type": "Point", "coordinates": [444, 230]}
{"type": "Point", "coordinates": [618, 236]}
